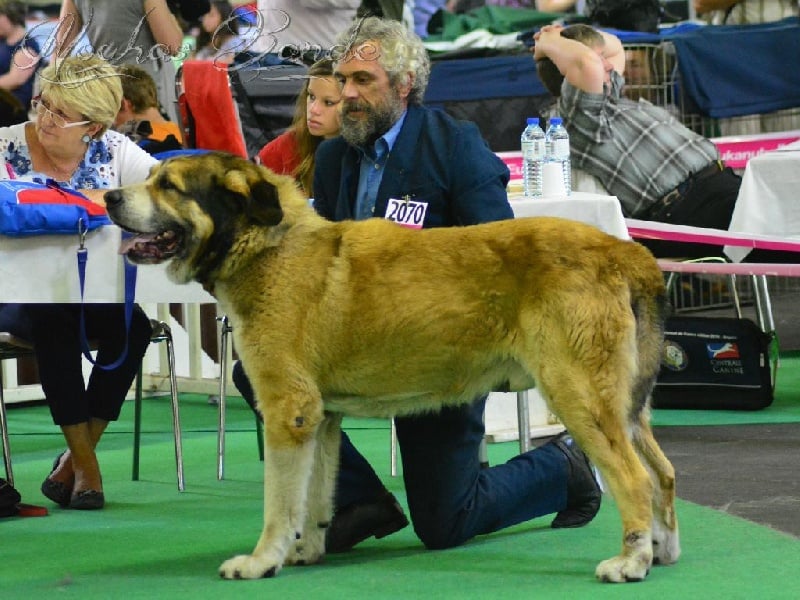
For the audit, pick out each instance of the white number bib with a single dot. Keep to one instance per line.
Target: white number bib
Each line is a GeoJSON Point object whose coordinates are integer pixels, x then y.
{"type": "Point", "coordinates": [406, 212]}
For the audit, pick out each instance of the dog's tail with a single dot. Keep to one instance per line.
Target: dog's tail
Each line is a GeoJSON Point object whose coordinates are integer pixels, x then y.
{"type": "Point", "coordinates": [650, 308]}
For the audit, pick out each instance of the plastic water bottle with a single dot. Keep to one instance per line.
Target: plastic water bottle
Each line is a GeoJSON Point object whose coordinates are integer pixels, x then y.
{"type": "Point", "coordinates": [558, 151]}
{"type": "Point", "coordinates": [533, 153]}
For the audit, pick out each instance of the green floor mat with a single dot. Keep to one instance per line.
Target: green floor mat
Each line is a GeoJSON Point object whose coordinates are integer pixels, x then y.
{"type": "Point", "coordinates": [153, 542]}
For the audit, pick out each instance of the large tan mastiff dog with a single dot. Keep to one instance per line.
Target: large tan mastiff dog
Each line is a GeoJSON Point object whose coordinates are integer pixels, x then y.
{"type": "Point", "coordinates": [372, 319]}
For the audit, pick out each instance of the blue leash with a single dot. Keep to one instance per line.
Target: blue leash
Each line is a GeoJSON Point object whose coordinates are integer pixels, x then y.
{"type": "Point", "coordinates": [130, 293]}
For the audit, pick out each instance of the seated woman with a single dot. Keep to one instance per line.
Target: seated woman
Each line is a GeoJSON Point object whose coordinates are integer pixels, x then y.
{"type": "Point", "coordinates": [316, 118]}
{"type": "Point", "coordinates": [70, 143]}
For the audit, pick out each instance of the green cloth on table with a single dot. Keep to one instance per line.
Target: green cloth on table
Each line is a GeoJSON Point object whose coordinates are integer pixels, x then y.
{"type": "Point", "coordinates": [495, 19]}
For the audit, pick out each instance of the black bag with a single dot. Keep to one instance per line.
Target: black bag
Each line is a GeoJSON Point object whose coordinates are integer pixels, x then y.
{"type": "Point", "coordinates": [714, 363]}
{"type": "Point", "coordinates": [9, 499]}
{"type": "Point", "coordinates": [628, 15]}
{"type": "Point", "coordinates": [189, 10]}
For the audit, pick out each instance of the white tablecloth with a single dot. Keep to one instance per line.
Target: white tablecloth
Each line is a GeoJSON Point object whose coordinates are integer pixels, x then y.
{"type": "Point", "coordinates": [600, 210]}
{"type": "Point", "coordinates": [769, 199]}
{"type": "Point", "coordinates": [43, 268]}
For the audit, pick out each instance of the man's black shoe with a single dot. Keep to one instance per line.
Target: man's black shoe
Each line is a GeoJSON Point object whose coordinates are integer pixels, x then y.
{"type": "Point", "coordinates": [359, 521]}
{"type": "Point", "coordinates": [583, 492]}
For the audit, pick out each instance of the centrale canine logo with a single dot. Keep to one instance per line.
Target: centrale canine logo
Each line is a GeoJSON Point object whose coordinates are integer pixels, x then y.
{"type": "Point", "coordinates": [722, 351]}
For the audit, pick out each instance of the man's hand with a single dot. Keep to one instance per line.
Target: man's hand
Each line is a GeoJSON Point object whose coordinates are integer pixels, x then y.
{"type": "Point", "coordinates": [547, 31]}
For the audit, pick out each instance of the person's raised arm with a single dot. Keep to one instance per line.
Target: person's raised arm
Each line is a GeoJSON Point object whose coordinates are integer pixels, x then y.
{"type": "Point", "coordinates": [163, 25]}
{"type": "Point", "coordinates": [69, 27]}
{"type": "Point", "coordinates": [579, 64]}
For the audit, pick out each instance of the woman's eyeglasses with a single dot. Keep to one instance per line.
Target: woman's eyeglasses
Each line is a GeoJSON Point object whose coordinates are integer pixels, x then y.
{"type": "Point", "coordinates": [41, 108]}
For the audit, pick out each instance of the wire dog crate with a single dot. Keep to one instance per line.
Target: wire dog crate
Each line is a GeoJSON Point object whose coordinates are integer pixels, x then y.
{"type": "Point", "coordinates": [651, 73]}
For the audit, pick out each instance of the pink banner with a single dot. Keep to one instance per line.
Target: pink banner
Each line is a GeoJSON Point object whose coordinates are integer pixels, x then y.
{"type": "Point", "coordinates": [513, 161]}
{"type": "Point", "coordinates": [735, 151]}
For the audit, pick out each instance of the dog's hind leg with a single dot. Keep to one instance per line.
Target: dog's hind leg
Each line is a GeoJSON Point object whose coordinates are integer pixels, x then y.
{"type": "Point", "coordinates": [666, 542]}
{"type": "Point", "coordinates": [649, 327]}
{"type": "Point", "coordinates": [593, 405]}
{"type": "Point", "coordinates": [310, 548]}
{"type": "Point", "coordinates": [290, 426]}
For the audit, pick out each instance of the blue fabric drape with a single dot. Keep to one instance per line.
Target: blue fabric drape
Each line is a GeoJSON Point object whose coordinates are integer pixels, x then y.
{"type": "Point", "coordinates": [733, 70]}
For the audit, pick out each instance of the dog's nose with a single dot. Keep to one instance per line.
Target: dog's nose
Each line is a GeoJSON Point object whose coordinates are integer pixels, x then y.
{"type": "Point", "coordinates": [112, 198]}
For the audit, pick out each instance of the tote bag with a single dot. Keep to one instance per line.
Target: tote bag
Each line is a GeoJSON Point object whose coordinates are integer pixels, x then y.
{"type": "Point", "coordinates": [28, 208]}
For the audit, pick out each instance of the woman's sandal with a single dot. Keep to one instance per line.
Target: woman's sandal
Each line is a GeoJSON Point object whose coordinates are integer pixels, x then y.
{"type": "Point", "coordinates": [87, 500]}
{"type": "Point", "coordinates": [58, 492]}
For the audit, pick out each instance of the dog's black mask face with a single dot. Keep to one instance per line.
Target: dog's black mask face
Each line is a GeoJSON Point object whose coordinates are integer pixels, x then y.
{"type": "Point", "coordinates": [190, 209]}
{"type": "Point", "coordinates": [223, 186]}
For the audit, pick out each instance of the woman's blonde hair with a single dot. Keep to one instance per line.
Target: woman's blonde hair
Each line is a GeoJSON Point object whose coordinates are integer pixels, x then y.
{"type": "Point", "coordinates": [87, 84]}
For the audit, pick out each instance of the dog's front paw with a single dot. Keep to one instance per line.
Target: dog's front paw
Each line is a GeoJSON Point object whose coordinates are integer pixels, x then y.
{"type": "Point", "coordinates": [248, 566]}
{"type": "Point", "coordinates": [621, 569]}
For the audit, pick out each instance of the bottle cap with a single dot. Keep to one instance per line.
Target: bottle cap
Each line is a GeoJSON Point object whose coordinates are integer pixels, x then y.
{"type": "Point", "coordinates": [555, 120]}
{"type": "Point", "coordinates": [533, 120]}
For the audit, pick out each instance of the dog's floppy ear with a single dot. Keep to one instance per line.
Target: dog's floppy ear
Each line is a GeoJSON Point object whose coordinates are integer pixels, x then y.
{"type": "Point", "coordinates": [263, 204]}
{"type": "Point", "coordinates": [261, 201]}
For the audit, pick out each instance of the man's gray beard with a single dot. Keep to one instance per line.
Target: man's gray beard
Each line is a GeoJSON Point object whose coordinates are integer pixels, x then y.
{"type": "Point", "coordinates": [379, 119]}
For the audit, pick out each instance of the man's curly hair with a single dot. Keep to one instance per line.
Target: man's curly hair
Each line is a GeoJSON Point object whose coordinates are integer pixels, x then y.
{"type": "Point", "coordinates": [400, 52]}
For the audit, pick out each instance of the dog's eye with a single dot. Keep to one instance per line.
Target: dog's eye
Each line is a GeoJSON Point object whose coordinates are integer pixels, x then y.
{"type": "Point", "coordinates": [166, 184]}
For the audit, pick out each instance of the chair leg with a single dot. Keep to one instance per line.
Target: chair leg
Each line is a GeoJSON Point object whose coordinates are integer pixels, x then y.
{"type": "Point", "coordinates": [260, 438]}
{"type": "Point", "coordinates": [766, 320]}
{"type": "Point", "coordinates": [523, 422]}
{"type": "Point", "coordinates": [221, 420]}
{"type": "Point", "coordinates": [6, 441]}
{"type": "Point", "coordinates": [483, 449]}
{"type": "Point", "coordinates": [737, 304]}
{"type": "Point", "coordinates": [763, 303]}
{"type": "Point", "coordinates": [176, 415]}
{"type": "Point", "coordinates": [137, 425]}
{"type": "Point", "coordinates": [225, 329]}
{"type": "Point", "coordinates": [392, 448]}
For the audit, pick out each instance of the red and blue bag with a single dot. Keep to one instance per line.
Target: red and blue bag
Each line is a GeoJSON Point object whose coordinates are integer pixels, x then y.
{"type": "Point", "coordinates": [28, 208]}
